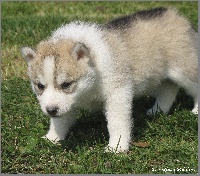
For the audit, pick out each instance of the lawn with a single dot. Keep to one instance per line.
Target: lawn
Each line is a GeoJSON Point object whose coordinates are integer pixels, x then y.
{"type": "Point", "coordinates": [162, 143]}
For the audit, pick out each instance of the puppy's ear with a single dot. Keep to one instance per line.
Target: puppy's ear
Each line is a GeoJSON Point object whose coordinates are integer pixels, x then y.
{"type": "Point", "coordinates": [28, 54]}
{"type": "Point", "coordinates": [80, 52]}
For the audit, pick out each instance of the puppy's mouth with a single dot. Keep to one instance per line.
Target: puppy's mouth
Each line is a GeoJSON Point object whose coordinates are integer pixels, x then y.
{"type": "Point", "coordinates": [55, 116]}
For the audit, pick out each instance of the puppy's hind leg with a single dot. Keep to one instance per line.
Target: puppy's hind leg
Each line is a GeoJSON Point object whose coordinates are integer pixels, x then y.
{"type": "Point", "coordinates": [189, 83]}
{"type": "Point", "coordinates": [164, 97]}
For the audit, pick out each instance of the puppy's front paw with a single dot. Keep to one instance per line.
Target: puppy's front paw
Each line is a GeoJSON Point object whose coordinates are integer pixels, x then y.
{"type": "Point", "coordinates": [115, 149]}
{"type": "Point", "coordinates": [51, 137]}
{"type": "Point", "coordinates": [152, 111]}
{"type": "Point", "coordinates": [195, 110]}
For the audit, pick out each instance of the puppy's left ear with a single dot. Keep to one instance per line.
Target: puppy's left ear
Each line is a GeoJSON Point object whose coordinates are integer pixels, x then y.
{"type": "Point", "coordinates": [28, 54]}
{"type": "Point", "coordinates": [80, 52]}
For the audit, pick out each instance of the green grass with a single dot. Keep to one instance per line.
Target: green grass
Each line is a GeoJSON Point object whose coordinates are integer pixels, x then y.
{"type": "Point", "coordinates": [172, 138]}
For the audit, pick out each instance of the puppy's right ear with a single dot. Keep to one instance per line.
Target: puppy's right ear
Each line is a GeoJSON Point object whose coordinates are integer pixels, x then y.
{"type": "Point", "coordinates": [28, 54]}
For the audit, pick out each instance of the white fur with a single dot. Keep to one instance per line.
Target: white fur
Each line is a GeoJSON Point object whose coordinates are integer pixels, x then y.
{"type": "Point", "coordinates": [165, 96]}
{"type": "Point", "coordinates": [119, 118]}
{"type": "Point", "coordinates": [48, 69]}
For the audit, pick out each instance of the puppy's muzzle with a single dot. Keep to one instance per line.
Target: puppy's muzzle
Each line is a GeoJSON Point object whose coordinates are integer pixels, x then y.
{"type": "Point", "coordinates": [52, 111]}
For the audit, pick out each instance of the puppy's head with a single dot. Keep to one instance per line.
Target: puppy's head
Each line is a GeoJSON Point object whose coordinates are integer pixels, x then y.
{"type": "Point", "coordinates": [59, 72]}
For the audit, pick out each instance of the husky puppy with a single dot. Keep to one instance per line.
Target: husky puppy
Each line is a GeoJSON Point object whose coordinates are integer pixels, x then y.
{"type": "Point", "coordinates": [105, 66]}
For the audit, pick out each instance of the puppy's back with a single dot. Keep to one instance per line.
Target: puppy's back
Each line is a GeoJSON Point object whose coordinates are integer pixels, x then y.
{"type": "Point", "coordinates": [156, 40]}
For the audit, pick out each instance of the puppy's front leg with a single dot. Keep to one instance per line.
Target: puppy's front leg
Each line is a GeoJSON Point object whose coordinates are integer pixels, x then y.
{"type": "Point", "coordinates": [59, 126]}
{"type": "Point", "coordinates": [118, 114]}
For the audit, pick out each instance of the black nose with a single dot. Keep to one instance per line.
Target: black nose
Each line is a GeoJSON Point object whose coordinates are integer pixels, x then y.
{"type": "Point", "coordinates": [52, 111]}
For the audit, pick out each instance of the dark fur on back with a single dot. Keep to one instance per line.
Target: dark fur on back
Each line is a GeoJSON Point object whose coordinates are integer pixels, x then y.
{"type": "Point", "coordinates": [125, 21]}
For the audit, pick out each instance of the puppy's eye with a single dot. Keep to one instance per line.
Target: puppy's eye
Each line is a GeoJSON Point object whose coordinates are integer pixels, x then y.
{"type": "Point", "coordinates": [40, 86]}
{"type": "Point", "coordinates": [66, 85]}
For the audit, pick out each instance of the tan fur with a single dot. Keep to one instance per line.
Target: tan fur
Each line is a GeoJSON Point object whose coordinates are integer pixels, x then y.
{"type": "Point", "coordinates": [64, 62]}
{"type": "Point", "coordinates": [155, 45]}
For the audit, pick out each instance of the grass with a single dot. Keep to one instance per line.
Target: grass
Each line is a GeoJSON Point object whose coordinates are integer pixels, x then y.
{"type": "Point", "coordinates": [172, 138]}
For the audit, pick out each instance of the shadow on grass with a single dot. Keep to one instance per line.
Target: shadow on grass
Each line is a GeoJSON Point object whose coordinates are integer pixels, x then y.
{"type": "Point", "coordinates": [91, 128]}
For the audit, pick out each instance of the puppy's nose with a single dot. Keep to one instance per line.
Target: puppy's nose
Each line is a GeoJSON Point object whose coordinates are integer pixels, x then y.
{"type": "Point", "coordinates": [52, 111]}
